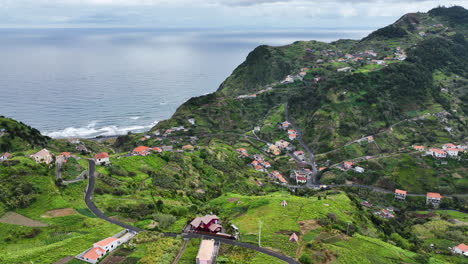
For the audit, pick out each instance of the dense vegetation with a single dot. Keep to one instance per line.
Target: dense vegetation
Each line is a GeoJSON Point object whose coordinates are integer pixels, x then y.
{"type": "Point", "coordinates": [16, 136]}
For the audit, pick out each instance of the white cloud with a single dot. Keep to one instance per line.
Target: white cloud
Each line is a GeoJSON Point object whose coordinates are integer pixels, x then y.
{"type": "Point", "coordinates": [200, 13]}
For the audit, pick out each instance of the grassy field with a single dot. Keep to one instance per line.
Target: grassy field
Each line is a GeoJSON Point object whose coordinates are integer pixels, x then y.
{"type": "Point", "coordinates": [278, 222]}
{"type": "Point", "coordinates": [365, 250]}
{"type": "Point", "coordinates": [65, 235]}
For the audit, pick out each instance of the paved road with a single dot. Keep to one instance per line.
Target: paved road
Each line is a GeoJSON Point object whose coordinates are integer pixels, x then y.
{"type": "Point", "coordinates": [98, 213]}
{"type": "Point", "coordinates": [299, 139]}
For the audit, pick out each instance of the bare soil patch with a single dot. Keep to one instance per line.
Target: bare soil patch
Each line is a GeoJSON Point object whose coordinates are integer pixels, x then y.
{"type": "Point", "coordinates": [17, 219]}
{"type": "Point", "coordinates": [59, 212]}
{"type": "Point", "coordinates": [308, 225]}
{"type": "Point", "coordinates": [231, 200]}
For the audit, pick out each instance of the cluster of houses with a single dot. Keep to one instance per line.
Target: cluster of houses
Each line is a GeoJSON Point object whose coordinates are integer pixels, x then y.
{"type": "Point", "coordinates": [448, 150]}
{"type": "Point", "coordinates": [171, 130]}
{"type": "Point", "coordinates": [259, 163]}
{"type": "Point", "coordinates": [278, 176]}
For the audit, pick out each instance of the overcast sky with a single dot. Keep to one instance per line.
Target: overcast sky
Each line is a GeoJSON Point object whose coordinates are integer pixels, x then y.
{"type": "Point", "coordinates": [255, 14]}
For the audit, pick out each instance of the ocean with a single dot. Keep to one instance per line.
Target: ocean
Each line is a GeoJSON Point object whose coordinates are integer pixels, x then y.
{"type": "Point", "coordinates": [92, 82]}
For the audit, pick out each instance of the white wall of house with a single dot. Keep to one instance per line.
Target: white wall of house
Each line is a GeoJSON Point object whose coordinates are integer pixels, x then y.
{"type": "Point", "coordinates": [105, 160]}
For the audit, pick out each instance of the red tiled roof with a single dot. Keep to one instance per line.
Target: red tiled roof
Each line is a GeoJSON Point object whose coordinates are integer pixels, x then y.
{"type": "Point", "coordinates": [66, 154]}
{"type": "Point", "coordinates": [434, 195]}
{"type": "Point", "coordinates": [105, 242]}
{"type": "Point", "coordinates": [449, 145]}
{"type": "Point", "coordinates": [348, 163]}
{"type": "Point", "coordinates": [301, 178]}
{"type": "Point", "coordinates": [94, 253]}
{"type": "Point", "coordinates": [435, 150]}
{"type": "Point", "coordinates": [101, 155]}
{"type": "Point", "coordinates": [322, 168]}
{"type": "Point", "coordinates": [140, 149]}
{"type": "Point", "coordinates": [7, 155]}
{"type": "Point", "coordinates": [400, 191]}
{"type": "Point", "coordinates": [462, 247]}
{"type": "Point", "coordinates": [418, 147]}
{"type": "Point", "coordinates": [258, 167]}
{"type": "Point", "coordinates": [157, 149]}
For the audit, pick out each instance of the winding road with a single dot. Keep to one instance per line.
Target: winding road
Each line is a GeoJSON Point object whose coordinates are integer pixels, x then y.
{"type": "Point", "coordinates": [100, 214]}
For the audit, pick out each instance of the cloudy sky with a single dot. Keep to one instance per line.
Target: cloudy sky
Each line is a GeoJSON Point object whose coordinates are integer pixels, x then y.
{"type": "Point", "coordinates": [210, 13]}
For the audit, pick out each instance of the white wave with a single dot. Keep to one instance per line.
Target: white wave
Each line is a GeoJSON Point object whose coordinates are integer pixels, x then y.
{"type": "Point", "coordinates": [92, 131]}
{"type": "Point", "coordinates": [135, 117]}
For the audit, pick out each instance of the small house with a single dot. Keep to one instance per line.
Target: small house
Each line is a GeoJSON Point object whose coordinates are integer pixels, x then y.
{"type": "Point", "coordinates": [207, 223]}
{"type": "Point", "coordinates": [448, 146]}
{"type": "Point", "coordinates": [453, 152]}
{"type": "Point", "coordinates": [100, 249]}
{"type": "Point", "coordinates": [370, 139]}
{"type": "Point", "coordinates": [102, 158]}
{"type": "Point", "coordinates": [43, 156]}
{"type": "Point", "coordinates": [300, 155]}
{"type": "Point", "coordinates": [433, 198]}
{"type": "Point", "coordinates": [284, 125]}
{"type": "Point", "coordinates": [188, 147]}
{"type": "Point", "coordinates": [292, 136]}
{"type": "Point", "coordinates": [206, 252]}
{"type": "Point", "coordinates": [293, 238]}
{"type": "Point", "coordinates": [437, 153]}
{"type": "Point", "coordinates": [461, 249]}
{"type": "Point", "coordinates": [348, 165]}
{"type": "Point", "coordinates": [301, 179]}
{"type": "Point", "coordinates": [157, 149]}
{"type": "Point", "coordinates": [5, 156]}
{"type": "Point", "coordinates": [191, 121]}
{"type": "Point", "coordinates": [419, 148]}
{"type": "Point", "coordinates": [400, 194]}
{"type": "Point", "coordinates": [274, 149]}
{"type": "Point", "coordinates": [282, 144]}
{"type": "Point", "coordinates": [141, 151]}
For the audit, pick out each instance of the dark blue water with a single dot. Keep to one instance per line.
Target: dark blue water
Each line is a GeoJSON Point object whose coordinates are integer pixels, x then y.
{"type": "Point", "coordinates": [90, 82]}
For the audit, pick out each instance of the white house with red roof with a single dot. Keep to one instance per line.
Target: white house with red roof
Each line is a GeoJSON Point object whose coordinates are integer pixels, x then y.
{"type": "Point", "coordinates": [284, 125]}
{"type": "Point", "coordinates": [292, 136]}
{"type": "Point", "coordinates": [461, 249]}
{"type": "Point", "coordinates": [102, 158]}
{"type": "Point", "coordinates": [100, 249]}
{"type": "Point", "coordinates": [419, 148]}
{"type": "Point", "coordinates": [5, 156]}
{"type": "Point", "coordinates": [157, 149]}
{"type": "Point", "coordinates": [400, 194]}
{"type": "Point", "coordinates": [141, 151]}
{"type": "Point", "coordinates": [448, 146]}
{"type": "Point", "coordinates": [453, 152]}
{"type": "Point", "coordinates": [300, 155]}
{"type": "Point", "coordinates": [433, 198]}
{"type": "Point", "coordinates": [437, 153]}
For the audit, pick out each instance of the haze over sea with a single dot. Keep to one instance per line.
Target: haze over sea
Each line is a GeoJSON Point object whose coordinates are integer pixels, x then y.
{"type": "Point", "coordinates": [91, 82]}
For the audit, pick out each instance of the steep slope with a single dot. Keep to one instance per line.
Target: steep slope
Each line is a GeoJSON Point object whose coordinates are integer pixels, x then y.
{"type": "Point", "coordinates": [16, 136]}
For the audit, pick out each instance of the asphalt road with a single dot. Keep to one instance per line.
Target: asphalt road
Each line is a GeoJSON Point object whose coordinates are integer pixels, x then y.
{"type": "Point", "coordinates": [98, 213]}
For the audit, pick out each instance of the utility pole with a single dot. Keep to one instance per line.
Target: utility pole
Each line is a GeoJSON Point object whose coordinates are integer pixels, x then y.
{"type": "Point", "coordinates": [347, 229]}
{"type": "Point", "coordinates": [259, 233]}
